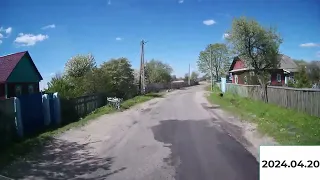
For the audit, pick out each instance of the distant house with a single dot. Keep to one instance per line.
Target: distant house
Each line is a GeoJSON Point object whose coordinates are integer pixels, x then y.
{"type": "Point", "coordinates": [240, 74]}
{"type": "Point", "coordinates": [18, 75]}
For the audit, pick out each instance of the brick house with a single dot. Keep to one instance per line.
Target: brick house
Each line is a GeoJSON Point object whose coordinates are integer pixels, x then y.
{"type": "Point", "coordinates": [18, 75]}
{"type": "Point", "coordinates": [240, 74]}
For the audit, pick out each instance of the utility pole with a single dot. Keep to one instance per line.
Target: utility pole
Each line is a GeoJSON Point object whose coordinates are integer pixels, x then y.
{"type": "Point", "coordinates": [189, 76]}
{"type": "Point", "coordinates": [211, 69]}
{"type": "Point", "coordinates": [142, 65]}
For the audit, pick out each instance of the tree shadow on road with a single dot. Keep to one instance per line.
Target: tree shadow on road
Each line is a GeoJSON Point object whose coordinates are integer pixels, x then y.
{"type": "Point", "coordinates": [60, 159]}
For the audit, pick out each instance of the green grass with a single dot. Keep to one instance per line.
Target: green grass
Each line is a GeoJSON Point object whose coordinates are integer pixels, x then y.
{"type": "Point", "coordinates": [139, 99]}
{"type": "Point", "coordinates": [21, 149]}
{"type": "Point", "coordinates": [287, 126]}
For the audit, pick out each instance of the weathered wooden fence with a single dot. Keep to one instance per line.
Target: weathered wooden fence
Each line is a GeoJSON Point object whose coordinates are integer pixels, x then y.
{"type": "Point", "coordinates": [73, 109]}
{"type": "Point", "coordinates": [303, 100]}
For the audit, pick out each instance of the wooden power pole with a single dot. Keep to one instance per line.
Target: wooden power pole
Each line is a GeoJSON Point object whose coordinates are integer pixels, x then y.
{"type": "Point", "coordinates": [189, 76]}
{"type": "Point", "coordinates": [142, 72]}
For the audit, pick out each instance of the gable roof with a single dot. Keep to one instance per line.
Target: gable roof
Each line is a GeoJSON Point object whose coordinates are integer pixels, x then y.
{"type": "Point", "coordinates": [9, 62]}
{"type": "Point", "coordinates": [285, 63]}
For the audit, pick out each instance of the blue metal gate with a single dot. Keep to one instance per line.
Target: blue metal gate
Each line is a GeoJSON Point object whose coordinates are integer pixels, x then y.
{"type": "Point", "coordinates": [32, 113]}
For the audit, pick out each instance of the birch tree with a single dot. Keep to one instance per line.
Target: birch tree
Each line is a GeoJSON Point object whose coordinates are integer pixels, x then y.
{"type": "Point", "coordinates": [214, 60]}
{"type": "Point", "coordinates": [257, 46]}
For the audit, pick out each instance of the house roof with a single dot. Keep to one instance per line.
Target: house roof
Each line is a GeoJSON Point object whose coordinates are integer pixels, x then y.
{"type": "Point", "coordinates": [9, 62]}
{"type": "Point", "coordinates": [286, 63]}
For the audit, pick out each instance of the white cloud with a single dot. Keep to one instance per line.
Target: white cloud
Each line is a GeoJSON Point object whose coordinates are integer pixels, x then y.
{"type": "Point", "coordinates": [225, 35]}
{"type": "Point", "coordinates": [181, 1]}
{"type": "Point", "coordinates": [49, 26]}
{"type": "Point", "coordinates": [8, 30]}
{"type": "Point", "coordinates": [209, 22]}
{"type": "Point", "coordinates": [318, 54]}
{"type": "Point", "coordinates": [310, 45]}
{"type": "Point", "coordinates": [119, 39]}
{"type": "Point", "coordinates": [52, 74]}
{"type": "Point", "coordinates": [29, 39]}
{"type": "Point", "coordinates": [109, 2]}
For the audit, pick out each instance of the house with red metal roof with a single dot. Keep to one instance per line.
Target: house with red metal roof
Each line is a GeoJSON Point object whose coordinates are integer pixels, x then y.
{"type": "Point", "coordinates": [240, 74]}
{"type": "Point", "coordinates": [18, 75]}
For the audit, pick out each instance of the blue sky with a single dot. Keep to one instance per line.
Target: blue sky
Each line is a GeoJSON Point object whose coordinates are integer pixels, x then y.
{"type": "Point", "coordinates": [176, 30]}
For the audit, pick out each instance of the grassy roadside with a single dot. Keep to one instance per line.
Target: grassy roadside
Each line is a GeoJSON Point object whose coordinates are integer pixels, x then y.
{"type": "Point", "coordinates": [19, 150]}
{"type": "Point", "coordinates": [287, 126]}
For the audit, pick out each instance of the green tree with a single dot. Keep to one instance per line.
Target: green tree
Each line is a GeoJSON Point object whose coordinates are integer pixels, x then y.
{"type": "Point", "coordinates": [121, 77]}
{"type": "Point", "coordinates": [60, 84]}
{"type": "Point", "coordinates": [96, 81]}
{"type": "Point", "coordinates": [214, 60]}
{"type": "Point", "coordinates": [194, 76]}
{"type": "Point", "coordinates": [257, 46]}
{"type": "Point", "coordinates": [76, 70]}
{"type": "Point", "coordinates": [302, 79]}
{"type": "Point", "coordinates": [157, 72]}
{"type": "Point", "coordinates": [313, 69]}
{"type": "Point", "coordinates": [136, 74]}
{"type": "Point", "coordinates": [79, 65]}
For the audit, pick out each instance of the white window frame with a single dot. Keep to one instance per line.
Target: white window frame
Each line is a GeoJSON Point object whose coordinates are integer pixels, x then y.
{"type": "Point", "coordinates": [279, 77]}
{"type": "Point", "coordinates": [245, 80]}
{"type": "Point", "coordinates": [18, 90]}
{"type": "Point", "coordinates": [236, 80]}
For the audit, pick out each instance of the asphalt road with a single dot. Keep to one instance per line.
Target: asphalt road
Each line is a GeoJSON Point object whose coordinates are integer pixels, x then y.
{"type": "Point", "coordinates": [179, 136]}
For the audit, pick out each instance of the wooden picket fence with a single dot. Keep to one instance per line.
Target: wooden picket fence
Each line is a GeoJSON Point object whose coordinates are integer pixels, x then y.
{"type": "Point", "coordinates": [303, 100]}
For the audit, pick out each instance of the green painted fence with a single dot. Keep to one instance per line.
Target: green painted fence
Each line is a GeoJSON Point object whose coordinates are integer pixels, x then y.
{"type": "Point", "coordinates": [76, 108]}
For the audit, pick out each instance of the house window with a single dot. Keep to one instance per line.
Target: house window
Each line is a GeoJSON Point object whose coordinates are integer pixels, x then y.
{"type": "Point", "coordinates": [279, 77]}
{"type": "Point", "coordinates": [18, 90]}
{"type": "Point", "coordinates": [30, 89]}
{"type": "Point", "coordinates": [245, 80]}
{"type": "Point", "coordinates": [236, 79]}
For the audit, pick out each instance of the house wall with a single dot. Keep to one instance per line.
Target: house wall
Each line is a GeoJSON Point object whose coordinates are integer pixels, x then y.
{"type": "Point", "coordinates": [239, 64]}
{"type": "Point", "coordinates": [24, 72]}
{"type": "Point", "coordinates": [240, 77]}
{"type": "Point", "coordinates": [274, 81]}
{"type": "Point", "coordinates": [24, 88]}
{"type": "Point", "coordinates": [252, 80]}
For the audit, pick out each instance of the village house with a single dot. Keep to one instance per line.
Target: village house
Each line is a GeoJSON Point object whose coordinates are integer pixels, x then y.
{"type": "Point", "coordinates": [240, 74]}
{"type": "Point", "coordinates": [18, 75]}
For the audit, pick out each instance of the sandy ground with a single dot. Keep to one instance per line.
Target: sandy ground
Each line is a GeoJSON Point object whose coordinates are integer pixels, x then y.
{"type": "Point", "coordinates": [179, 136]}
